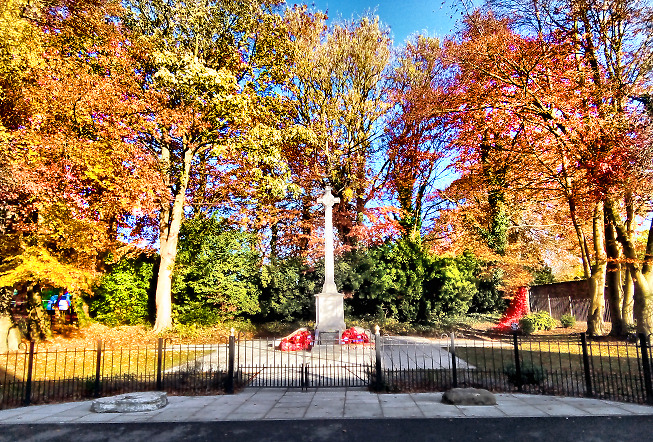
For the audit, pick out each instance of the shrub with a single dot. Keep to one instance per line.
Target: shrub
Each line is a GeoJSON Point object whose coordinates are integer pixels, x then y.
{"type": "Point", "coordinates": [121, 297]}
{"type": "Point", "coordinates": [216, 274]}
{"type": "Point", "coordinates": [536, 321]}
{"type": "Point", "coordinates": [530, 373]}
{"type": "Point", "coordinates": [287, 290]}
{"type": "Point", "coordinates": [490, 297]}
{"type": "Point", "coordinates": [568, 321]}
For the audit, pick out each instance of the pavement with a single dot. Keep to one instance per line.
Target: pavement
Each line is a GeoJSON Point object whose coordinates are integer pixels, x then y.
{"type": "Point", "coordinates": [268, 404]}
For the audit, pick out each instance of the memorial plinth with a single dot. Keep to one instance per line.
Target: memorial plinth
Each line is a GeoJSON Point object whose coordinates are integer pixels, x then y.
{"type": "Point", "coordinates": [329, 306]}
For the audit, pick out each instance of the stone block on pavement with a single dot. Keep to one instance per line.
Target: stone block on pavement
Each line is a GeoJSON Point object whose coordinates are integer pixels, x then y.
{"type": "Point", "coordinates": [468, 396]}
{"type": "Point", "coordinates": [131, 402]}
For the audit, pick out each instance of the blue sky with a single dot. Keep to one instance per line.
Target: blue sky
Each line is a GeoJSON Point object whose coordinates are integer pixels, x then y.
{"type": "Point", "coordinates": [405, 17]}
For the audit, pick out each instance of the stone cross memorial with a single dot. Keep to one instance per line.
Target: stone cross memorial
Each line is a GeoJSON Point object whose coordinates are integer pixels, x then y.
{"type": "Point", "coordinates": [329, 308]}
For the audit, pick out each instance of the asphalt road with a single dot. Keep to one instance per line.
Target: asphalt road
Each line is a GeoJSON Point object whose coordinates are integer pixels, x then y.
{"type": "Point", "coordinates": [576, 429]}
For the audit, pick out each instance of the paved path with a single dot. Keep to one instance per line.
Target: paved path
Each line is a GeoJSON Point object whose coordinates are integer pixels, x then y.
{"type": "Point", "coordinates": [260, 361]}
{"type": "Point", "coordinates": [353, 403]}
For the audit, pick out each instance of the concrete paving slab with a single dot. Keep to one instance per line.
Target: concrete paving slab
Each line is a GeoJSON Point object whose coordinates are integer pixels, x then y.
{"type": "Point", "coordinates": [295, 400]}
{"type": "Point", "coordinates": [286, 413]}
{"type": "Point", "coordinates": [481, 411]}
{"type": "Point", "coordinates": [360, 412]}
{"type": "Point", "coordinates": [402, 412]}
{"type": "Point", "coordinates": [97, 417]}
{"type": "Point", "coordinates": [245, 416]}
{"type": "Point", "coordinates": [435, 411]}
{"type": "Point", "coordinates": [324, 413]}
{"type": "Point", "coordinates": [508, 399]}
{"type": "Point", "coordinates": [58, 419]}
{"type": "Point", "coordinates": [539, 399]}
{"type": "Point", "coordinates": [8, 414]}
{"type": "Point", "coordinates": [328, 401]}
{"type": "Point", "coordinates": [512, 410]}
{"type": "Point", "coordinates": [362, 401]}
{"type": "Point", "coordinates": [635, 408]}
{"type": "Point", "coordinates": [559, 409]}
{"type": "Point", "coordinates": [256, 407]}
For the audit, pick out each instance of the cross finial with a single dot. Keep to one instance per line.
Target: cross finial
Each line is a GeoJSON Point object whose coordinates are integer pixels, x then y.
{"type": "Point", "coordinates": [328, 199]}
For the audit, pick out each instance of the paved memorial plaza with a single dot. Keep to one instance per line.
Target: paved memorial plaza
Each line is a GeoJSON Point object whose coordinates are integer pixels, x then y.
{"type": "Point", "coordinates": [260, 361]}
{"type": "Point", "coordinates": [348, 403]}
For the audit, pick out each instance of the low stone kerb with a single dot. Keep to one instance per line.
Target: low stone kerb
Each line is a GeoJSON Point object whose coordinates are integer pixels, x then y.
{"type": "Point", "coordinates": [131, 402]}
{"type": "Point", "coordinates": [469, 396]}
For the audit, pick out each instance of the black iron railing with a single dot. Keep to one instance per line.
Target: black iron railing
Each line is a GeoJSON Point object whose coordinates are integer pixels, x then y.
{"type": "Point", "coordinates": [573, 365]}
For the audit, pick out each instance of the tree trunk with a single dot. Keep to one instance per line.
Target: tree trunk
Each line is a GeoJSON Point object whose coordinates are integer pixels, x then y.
{"type": "Point", "coordinates": [597, 280]}
{"type": "Point", "coordinates": [170, 224]}
{"type": "Point", "coordinates": [613, 276]}
{"type": "Point", "coordinates": [629, 287]}
{"type": "Point", "coordinates": [628, 300]}
{"type": "Point", "coordinates": [580, 235]}
{"type": "Point", "coordinates": [640, 274]}
{"type": "Point", "coordinates": [38, 321]}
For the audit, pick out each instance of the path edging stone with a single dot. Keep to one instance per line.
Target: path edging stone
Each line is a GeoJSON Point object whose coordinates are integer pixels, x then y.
{"type": "Point", "coordinates": [468, 396]}
{"type": "Point", "coordinates": [131, 402]}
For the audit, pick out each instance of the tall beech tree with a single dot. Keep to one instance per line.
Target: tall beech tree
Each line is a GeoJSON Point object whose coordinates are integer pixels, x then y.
{"type": "Point", "coordinates": [417, 137]}
{"type": "Point", "coordinates": [338, 94]}
{"type": "Point", "coordinates": [200, 83]}
{"type": "Point", "coordinates": [71, 173]}
{"type": "Point", "coordinates": [74, 172]}
{"type": "Point", "coordinates": [613, 43]}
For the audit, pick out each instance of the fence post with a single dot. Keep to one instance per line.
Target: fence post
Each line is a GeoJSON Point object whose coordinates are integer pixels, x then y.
{"type": "Point", "coordinates": [230, 372]}
{"type": "Point", "coordinates": [454, 371]}
{"type": "Point", "coordinates": [159, 362]}
{"type": "Point", "coordinates": [98, 368]}
{"type": "Point", "coordinates": [517, 362]}
{"type": "Point", "coordinates": [548, 300]}
{"type": "Point", "coordinates": [305, 376]}
{"type": "Point", "coordinates": [28, 383]}
{"type": "Point", "coordinates": [646, 366]}
{"type": "Point", "coordinates": [378, 382]}
{"type": "Point", "coordinates": [586, 366]}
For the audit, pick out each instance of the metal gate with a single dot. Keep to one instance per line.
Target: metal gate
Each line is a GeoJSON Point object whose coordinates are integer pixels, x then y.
{"type": "Point", "coordinates": [259, 363]}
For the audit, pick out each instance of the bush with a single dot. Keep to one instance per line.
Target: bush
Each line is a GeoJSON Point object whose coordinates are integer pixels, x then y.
{"type": "Point", "coordinates": [287, 290]}
{"type": "Point", "coordinates": [568, 321]}
{"type": "Point", "coordinates": [121, 297]}
{"type": "Point", "coordinates": [530, 373]}
{"type": "Point", "coordinates": [536, 321]}
{"type": "Point", "coordinates": [216, 273]}
{"type": "Point", "coordinates": [489, 297]}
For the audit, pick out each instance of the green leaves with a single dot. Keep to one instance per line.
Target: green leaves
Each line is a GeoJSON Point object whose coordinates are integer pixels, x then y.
{"type": "Point", "coordinates": [216, 271]}
{"type": "Point", "coordinates": [121, 296]}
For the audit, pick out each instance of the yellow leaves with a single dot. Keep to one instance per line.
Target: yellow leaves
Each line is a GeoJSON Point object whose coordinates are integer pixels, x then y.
{"type": "Point", "coordinates": [348, 194]}
{"type": "Point", "coordinates": [37, 264]}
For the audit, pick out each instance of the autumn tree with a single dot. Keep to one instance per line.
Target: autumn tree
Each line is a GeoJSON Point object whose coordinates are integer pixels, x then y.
{"type": "Point", "coordinates": [612, 44]}
{"type": "Point", "coordinates": [72, 174]}
{"type": "Point", "coordinates": [337, 94]}
{"type": "Point", "coordinates": [417, 137]}
{"type": "Point", "coordinates": [202, 75]}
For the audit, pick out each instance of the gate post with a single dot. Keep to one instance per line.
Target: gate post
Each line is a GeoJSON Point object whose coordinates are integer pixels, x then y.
{"type": "Point", "coordinates": [378, 382]}
{"type": "Point", "coordinates": [646, 366]}
{"type": "Point", "coordinates": [98, 368]}
{"type": "Point", "coordinates": [230, 372]}
{"type": "Point", "coordinates": [159, 360]}
{"type": "Point", "coordinates": [586, 364]}
{"type": "Point", "coordinates": [517, 362]}
{"type": "Point", "coordinates": [454, 368]}
{"type": "Point", "coordinates": [30, 366]}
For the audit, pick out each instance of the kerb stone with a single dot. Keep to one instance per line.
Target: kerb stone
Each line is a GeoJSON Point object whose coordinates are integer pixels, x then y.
{"type": "Point", "coordinates": [131, 402]}
{"type": "Point", "coordinates": [469, 396]}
